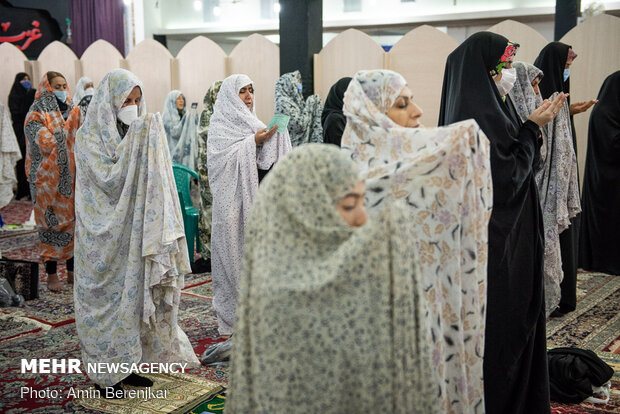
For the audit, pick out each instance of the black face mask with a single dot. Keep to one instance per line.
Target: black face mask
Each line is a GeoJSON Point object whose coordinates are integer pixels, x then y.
{"type": "Point", "coordinates": [122, 128]}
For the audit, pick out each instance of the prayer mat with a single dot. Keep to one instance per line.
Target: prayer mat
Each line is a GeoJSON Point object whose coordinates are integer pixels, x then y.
{"type": "Point", "coordinates": [16, 212]}
{"type": "Point", "coordinates": [18, 238]}
{"type": "Point", "coordinates": [614, 346]}
{"type": "Point", "coordinates": [196, 279]}
{"type": "Point", "coordinates": [203, 290]}
{"type": "Point", "coordinates": [213, 406]}
{"type": "Point", "coordinates": [170, 393]}
{"type": "Point", "coordinates": [13, 327]}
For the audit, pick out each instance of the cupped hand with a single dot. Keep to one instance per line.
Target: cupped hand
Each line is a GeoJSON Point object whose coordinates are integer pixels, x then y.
{"type": "Point", "coordinates": [579, 107]}
{"type": "Point", "coordinates": [263, 135]}
{"type": "Point", "coordinates": [548, 110]}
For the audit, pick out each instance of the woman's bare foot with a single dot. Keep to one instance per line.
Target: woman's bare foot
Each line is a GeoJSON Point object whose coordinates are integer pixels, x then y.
{"type": "Point", "coordinates": [70, 277]}
{"type": "Point", "coordinates": [53, 283]}
{"type": "Point", "coordinates": [224, 337]}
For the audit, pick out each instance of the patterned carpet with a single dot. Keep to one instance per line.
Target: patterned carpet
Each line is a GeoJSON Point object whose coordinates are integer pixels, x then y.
{"type": "Point", "coordinates": [595, 325]}
{"type": "Point", "coordinates": [45, 328]}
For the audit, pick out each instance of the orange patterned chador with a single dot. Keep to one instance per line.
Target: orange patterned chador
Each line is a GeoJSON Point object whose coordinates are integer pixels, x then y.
{"type": "Point", "coordinates": [50, 169]}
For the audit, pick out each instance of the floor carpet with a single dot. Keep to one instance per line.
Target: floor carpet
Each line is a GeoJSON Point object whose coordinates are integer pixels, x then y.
{"type": "Point", "coordinates": [45, 328]}
{"type": "Point", "coordinates": [595, 325]}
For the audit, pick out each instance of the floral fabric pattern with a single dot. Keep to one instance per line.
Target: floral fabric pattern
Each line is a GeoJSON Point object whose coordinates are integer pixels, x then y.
{"type": "Point", "coordinates": [444, 177]}
{"type": "Point", "coordinates": [305, 123]}
{"type": "Point", "coordinates": [130, 252]}
{"type": "Point", "coordinates": [509, 53]}
{"type": "Point", "coordinates": [80, 90]}
{"type": "Point", "coordinates": [50, 168]}
{"type": "Point", "coordinates": [172, 119]}
{"type": "Point", "coordinates": [558, 191]}
{"type": "Point", "coordinates": [206, 198]}
{"type": "Point", "coordinates": [339, 325]}
{"type": "Point", "coordinates": [9, 155]}
{"type": "Point", "coordinates": [181, 131]}
{"type": "Point", "coordinates": [556, 178]}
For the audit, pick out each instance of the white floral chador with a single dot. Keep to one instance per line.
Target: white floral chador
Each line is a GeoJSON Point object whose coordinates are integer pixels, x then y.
{"type": "Point", "coordinates": [444, 176]}
{"type": "Point", "coordinates": [130, 249]}
{"type": "Point", "coordinates": [233, 162]}
{"type": "Point", "coordinates": [331, 317]}
{"type": "Point", "coordinates": [182, 131]}
{"type": "Point", "coordinates": [9, 155]}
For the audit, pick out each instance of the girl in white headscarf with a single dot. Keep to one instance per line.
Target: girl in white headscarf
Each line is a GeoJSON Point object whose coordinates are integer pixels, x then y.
{"type": "Point", "coordinates": [84, 87]}
{"type": "Point", "coordinates": [9, 155]}
{"type": "Point", "coordinates": [130, 250]}
{"type": "Point", "coordinates": [238, 147]}
{"type": "Point", "coordinates": [444, 176]}
{"type": "Point", "coordinates": [181, 129]}
{"type": "Point", "coordinates": [172, 116]}
{"type": "Point", "coordinates": [84, 91]}
{"type": "Point", "coordinates": [556, 177]}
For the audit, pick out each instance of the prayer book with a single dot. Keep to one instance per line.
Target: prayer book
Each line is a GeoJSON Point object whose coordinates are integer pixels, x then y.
{"type": "Point", "coordinates": [280, 120]}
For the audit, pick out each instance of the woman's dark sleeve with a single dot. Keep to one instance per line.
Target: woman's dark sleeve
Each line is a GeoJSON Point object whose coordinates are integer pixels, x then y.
{"type": "Point", "coordinates": [512, 166]}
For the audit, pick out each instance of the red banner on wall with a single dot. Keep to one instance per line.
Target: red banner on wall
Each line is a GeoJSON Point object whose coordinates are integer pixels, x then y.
{"type": "Point", "coordinates": [30, 30]}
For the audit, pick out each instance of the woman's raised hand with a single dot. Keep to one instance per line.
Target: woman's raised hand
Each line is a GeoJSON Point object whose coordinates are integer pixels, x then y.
{"type": "Point", "coordinates": [548, 110]}
{"type": "Point", "coordinates": [263, 135]}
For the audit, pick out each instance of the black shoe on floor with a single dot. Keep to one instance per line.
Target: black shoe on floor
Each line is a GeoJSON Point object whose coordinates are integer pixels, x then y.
{"type": "Point", "coordinates": [556, 314]}
{"type": "Point", "coordinates": [137, 381]}
{"type": "Point", "coordinates": [201, 266]}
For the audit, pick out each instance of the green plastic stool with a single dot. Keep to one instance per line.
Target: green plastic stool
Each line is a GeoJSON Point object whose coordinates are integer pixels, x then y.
{"type": "Point", "coordinates": [190, 214]}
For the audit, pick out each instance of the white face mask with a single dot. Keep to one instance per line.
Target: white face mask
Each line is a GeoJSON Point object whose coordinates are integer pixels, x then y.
{"type": "Point", "coordinates": [89, 91]}
{"type": "Point", "coordinates": [128, 114]}
{"type": "Point", "coordinates": [505, 84]}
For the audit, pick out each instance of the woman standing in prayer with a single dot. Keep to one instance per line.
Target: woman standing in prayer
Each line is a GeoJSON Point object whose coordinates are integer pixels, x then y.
{"type": "Point", "coordinates": [206, 198]}
{"type": "Point", "coordinates": [339, 325]}
{"type": "Point", "coordinates": [477, 77]}
{"type": "Point", "coordinates": [83, 94]}
{"type": "Point", "coordinates": [332, 118]}
{"type": "Point", "coordinates": [181, 128]}
{"type": "Point", "coordinates": [20, 98]}
{"type": "Point", "coordinates": [443, 174]}
{"type": "Point", "coordinates": [556, 177]}
{"type": "Point", "coordinates": [555, 60]}
{"type": "Point", "coordinates": [600, 228]}
{"type": "Point", "coordinates": [305, 123]}
{"type": "Point", "coordinates": [50, 166]}
{"type": "Point", "coordinates": [172, 115]}
{"type": "Point", "coordinates": [237, 148]}
{"type": "Point", "coordinates": [9, 154]}
{"type": "Point", "coordinates": [130, 236]}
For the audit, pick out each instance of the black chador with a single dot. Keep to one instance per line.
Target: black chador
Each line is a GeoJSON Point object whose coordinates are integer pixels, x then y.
{"type": "Point", "coordinates": [600, 225]}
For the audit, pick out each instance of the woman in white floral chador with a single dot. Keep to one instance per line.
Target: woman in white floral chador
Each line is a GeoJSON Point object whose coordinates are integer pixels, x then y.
{"type": "Point", "coordinates": [130, 249]}
{"type": "Point", "coordinates": [444, 176]}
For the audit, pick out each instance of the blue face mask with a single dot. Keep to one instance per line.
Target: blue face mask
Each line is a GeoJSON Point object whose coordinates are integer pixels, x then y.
{"type": "Point", "coordinates": [299, 87]}
{"type": "Point", "coordinates": [61, 95]}
{"type": "Point", "coordinates": [26, 84]}
{"type": "Point", "coordinates": [566, 74]}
